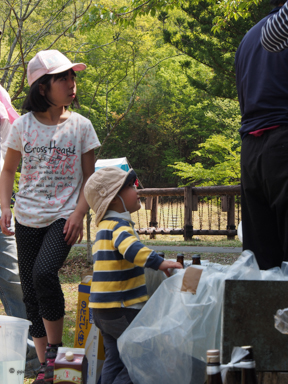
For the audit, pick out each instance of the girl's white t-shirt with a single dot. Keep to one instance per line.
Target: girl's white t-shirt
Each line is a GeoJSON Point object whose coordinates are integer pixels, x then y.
{"type": "Point", "coordinates": [51, 174]}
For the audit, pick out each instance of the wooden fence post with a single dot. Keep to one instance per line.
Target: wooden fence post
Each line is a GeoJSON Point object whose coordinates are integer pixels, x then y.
{"type": "Point", "coordinates": [231, 215]}
{"type": "Point", "coordinates": [153, 217]}
{"type": "Point", "coordinates": [188, 227]}
{"type": "Point", "coordinates": [223, 191]}
{"type": "Point", "coordinates": [148, 203]}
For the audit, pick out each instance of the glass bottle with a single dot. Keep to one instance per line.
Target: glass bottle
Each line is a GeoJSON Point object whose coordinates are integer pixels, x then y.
{"type": "Point", "coordinates": [180, 258]}
{"type": "Point", "coordinates": [213, 367]}
{"type": "Point", "coordinates": [248, 375]}
{"type": "Point", "coordinates": [196, 259]}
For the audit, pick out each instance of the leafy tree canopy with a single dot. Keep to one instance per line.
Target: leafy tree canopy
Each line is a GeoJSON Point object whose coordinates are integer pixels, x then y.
{"type": "Point", "coordinates": [27, 25]}
{"type": "Point", "coordinates": [224, 11]}
{"type": "Point", "coordinates": [189, 31]}
{"type": "Point", "coordinates": [140, 93]}
{"type": "Point", "coordinates": [222, 157]}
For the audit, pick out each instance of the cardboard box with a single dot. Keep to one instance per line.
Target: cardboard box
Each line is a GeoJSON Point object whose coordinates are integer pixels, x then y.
{"type": "Point", "coordinates": [84, 317]}
{"type": "Point", "coordinates": [94, 351]}
{"type": "Point", "coordinates": [87, 335]}
{"type": "Point", "coordinates": [70, 371]}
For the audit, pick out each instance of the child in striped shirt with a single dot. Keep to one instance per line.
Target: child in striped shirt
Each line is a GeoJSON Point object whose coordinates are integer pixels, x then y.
{"type": "Point", "coordinates": [118, 289]}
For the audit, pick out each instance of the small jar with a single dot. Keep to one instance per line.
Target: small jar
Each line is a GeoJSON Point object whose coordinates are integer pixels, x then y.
{"type": "Point", "coordinates": [196, 259]}
{"type": "Point", "coordinates": [180, 258]}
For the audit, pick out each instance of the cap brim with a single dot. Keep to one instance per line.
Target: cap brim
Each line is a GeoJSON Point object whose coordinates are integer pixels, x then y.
{"type": "Point", "coordinates": [75, 66]}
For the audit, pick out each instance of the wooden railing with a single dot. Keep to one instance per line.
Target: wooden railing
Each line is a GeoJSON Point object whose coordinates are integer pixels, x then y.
{"type": "Point", "coordinates": [191, 198]}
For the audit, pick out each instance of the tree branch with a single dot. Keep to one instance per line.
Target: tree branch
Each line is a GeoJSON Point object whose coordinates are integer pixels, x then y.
{"type": "Point", "coordinates": [133, 10]}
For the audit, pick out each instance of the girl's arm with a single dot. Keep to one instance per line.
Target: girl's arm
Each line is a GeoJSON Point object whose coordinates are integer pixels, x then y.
{"type": "Point", "coordinates": [74, 225]}
{"type": "Point", "coordinates": [12, 160]}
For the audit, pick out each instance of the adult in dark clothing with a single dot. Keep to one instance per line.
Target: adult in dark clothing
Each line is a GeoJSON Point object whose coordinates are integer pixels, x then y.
{"type": "Point", "coordinates": [262, 86]}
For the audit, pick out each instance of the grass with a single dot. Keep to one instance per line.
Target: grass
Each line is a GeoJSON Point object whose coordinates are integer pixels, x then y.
{"type": "Point", "coordinates": [194, 243]}
{"type": "Point", "coordinates": [208, 241]}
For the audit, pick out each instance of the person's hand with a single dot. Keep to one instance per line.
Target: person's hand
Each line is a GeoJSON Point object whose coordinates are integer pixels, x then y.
{"type": "Point", "coordinates": [6, 217]}
{"type": "Point", "coordinates": [169, 264]}
{"type": "Point", "coordinates": [74, 228]}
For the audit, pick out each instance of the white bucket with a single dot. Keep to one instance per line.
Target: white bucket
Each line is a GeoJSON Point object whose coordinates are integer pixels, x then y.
{"type": "Point", "coordinates": [13, 342]}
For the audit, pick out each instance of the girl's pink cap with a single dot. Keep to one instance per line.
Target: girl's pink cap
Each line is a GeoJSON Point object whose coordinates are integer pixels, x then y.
{"type": "Point", "coordinates": [48, 63]}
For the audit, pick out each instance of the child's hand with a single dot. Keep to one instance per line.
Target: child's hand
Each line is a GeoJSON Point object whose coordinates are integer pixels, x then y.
{"type": "Point", "coordinates": [73, 228]}
{"type": "Point", "coordinates": [5, 222]}
{"type": "Point", "coordinates": [169, 264]}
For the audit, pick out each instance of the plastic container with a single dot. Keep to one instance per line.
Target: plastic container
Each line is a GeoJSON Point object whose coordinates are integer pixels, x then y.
{"type": "Point", "coordinates": [13, 342]}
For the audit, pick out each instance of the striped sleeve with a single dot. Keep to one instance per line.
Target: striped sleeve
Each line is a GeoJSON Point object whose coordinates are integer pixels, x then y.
{"type": "Point", "coordinates": [132, 249]}
{"type": "Point", "coordinates": [274, 33]}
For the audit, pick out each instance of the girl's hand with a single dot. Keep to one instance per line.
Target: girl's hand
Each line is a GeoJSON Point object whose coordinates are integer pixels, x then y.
{"type": "Point", "coordinates": [169, 264]}
{"type": "Point", "coordinates": [6, 216]}
{"type": "Point", "coordinates": [74, 228]}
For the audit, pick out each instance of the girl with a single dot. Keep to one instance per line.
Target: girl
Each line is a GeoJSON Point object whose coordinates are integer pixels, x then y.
{"type": "Point", "coordinates": [56, 147]}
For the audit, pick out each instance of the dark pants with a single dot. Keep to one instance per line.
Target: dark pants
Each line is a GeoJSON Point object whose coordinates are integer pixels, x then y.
{"type": "Point", "coordinates": [41, 253]}
{"type": "Point", "coordinates": [264, 196]}
{"type": "Point", "coordinates": [112, 323]}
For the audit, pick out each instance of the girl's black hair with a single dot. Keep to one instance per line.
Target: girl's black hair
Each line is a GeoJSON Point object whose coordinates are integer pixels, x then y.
{"type": "Point", "coordinates": [38, 103]}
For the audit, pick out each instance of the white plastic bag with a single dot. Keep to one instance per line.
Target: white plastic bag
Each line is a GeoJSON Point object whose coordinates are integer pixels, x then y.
{"type": "Point", "coordinates": [281, 321]}
{"type": "Point", "coordinates": [168, 340]}
{"type": "Point", "coordinates": [153, 280]}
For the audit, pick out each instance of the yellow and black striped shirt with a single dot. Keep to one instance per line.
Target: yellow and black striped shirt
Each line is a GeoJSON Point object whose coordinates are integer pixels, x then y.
{"type": "Point", "coordinates": [119, 259]}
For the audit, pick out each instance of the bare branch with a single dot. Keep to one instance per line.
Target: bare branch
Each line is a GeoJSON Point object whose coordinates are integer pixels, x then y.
{"type": "Point", "coordinates": [76, 17]}
{"type": "Point", "coordinates": [133, 10]}
{"type": "Point", "coordinates": [26, 15]}
{"type": "Point", "coordinates": [94, 96]}
{"type": "Point", "coordinates": [13, 61]}
{"type": "Point", "coordinates": [93, 47]}
{"type": "Point", "coordinates": [120, 81]}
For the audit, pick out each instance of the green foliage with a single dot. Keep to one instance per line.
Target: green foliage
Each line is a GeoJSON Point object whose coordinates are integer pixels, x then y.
{"type": "Point", "coordinates": [168, 121]}
{"type": "Point", "coordinates": [222, 158]}
{"type": "Point", "coordinates": [124, 13]}
{"type": "Point", "coordinates": [169, 93]}
{"type": "Point", "coordinates": [233, 10]}
{"type": "Point", "coordinates": [189, 30]}
{"type": "Point", "coordinates": [29, 26]}
{"type": "Point", "coordinates": [16, 182]}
